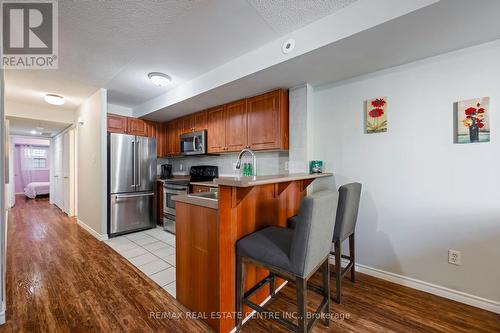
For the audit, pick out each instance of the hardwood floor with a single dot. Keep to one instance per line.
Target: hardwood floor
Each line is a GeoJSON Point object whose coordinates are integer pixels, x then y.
{"type": "Point", "coordinates": [61, 279]}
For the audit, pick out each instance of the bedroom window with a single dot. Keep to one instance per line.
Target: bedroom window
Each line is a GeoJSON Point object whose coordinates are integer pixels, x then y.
{"type": "Point", "coordinates": [38, 157]}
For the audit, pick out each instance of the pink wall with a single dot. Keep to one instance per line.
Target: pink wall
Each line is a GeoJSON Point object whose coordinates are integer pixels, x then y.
{"type": "Point", "coordinates": [37, 176]}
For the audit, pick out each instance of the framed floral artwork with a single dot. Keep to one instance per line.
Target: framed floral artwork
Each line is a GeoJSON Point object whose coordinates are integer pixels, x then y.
{"type": "Point", "coordinates": [376, 115]}
{"type": "Point", "coordinates": [472, 120]}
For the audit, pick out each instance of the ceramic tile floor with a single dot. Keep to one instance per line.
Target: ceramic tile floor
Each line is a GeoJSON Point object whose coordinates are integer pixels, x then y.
{"type": "Point", "coordinates": [151, 251]}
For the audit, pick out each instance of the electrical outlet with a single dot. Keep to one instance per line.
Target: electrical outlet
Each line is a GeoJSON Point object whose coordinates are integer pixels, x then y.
{"type": "Point", "coordinates": [234, 166]}
{"type": "Point", "coordinates": [181, 167]}
{"type": "Point", "coordinates": [286, 166]}
{"type": "Point", "coordinates": [454, 257]}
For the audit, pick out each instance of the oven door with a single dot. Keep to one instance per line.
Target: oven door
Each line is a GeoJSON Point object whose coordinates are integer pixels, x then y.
{"type": "Point", "coordinates": [193, 143]}
{"type": "Point", "coordinates": [169, 192]}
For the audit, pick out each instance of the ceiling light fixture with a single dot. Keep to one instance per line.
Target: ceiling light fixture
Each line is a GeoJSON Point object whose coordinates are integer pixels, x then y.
{"type": "Point", "coordinates": [33, 132]}
{"type": "Point", "coordinates": [159, 79]}
{"type": "Point", "coordinates": [54, 99]}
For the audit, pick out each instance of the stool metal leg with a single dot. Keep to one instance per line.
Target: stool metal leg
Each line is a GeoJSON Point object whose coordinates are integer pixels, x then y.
{"type": "Point", "coordinates": [272, 285]}
{"type": "Point", "coordinates": [240, 291]}
{"type": "Point", "coordinates": [301, 304]}
{"type": "Point", "coordinates": [351, 254]}
{"type": "Point", "coordinates": [326, 291]}
{"type": "Point", "coordinates": [338, 270]}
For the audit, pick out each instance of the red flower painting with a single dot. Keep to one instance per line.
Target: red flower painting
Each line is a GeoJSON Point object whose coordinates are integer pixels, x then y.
{"type": "Point", "coordinates": [376, 118]}
{"type": "Point", "coordinates": [375, 113]}
{"type": "Point", "coordinates": [473, 121]}
{"type": "Point", "coordinates": [378, 102]}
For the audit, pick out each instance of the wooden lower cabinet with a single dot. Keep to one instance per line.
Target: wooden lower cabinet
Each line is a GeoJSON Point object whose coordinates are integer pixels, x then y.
{"type": "Point", "coordinates": [197, 263]}
{"type": "Point", "coordinates": [159, 202]}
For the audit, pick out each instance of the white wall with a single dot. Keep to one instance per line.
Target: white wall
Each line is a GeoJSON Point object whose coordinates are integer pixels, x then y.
{"type": "Point", "coordinates": [91, 164]}
{"type": "Point", "coordinates": [301, 128]}
{"type": "Point", "coordinates": [422, 194]}
{"type": "Point", "coordinates": [48, 113]}
{"type": "Point", "coordinates": [121, 110]}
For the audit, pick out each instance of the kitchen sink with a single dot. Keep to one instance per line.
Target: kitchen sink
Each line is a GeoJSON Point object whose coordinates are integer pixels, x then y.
{"type": "Point", "coordinates": [206, 195]}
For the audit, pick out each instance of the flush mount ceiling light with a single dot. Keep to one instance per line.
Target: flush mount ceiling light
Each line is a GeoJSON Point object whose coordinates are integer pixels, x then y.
{"type": "Point", "coordinates": [54, 99]}
{"type": "Point", "coordinates": [159, 79]}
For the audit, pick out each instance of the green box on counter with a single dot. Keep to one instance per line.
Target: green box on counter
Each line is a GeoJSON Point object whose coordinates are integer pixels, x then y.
{"type": "Point", "coordinates": [316, 167]}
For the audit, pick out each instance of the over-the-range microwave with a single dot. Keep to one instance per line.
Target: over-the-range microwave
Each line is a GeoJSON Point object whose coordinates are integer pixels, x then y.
{"type": "Point", "coordinates": [194, 143]}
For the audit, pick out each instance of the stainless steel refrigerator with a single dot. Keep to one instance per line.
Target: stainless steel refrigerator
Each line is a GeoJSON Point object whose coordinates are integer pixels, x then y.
{"type": "Point", "coordinates": [132, 182]}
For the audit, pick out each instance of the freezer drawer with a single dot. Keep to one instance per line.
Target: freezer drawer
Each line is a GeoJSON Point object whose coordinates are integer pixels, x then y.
{"type": "Point", "coordinates": [132, 211]}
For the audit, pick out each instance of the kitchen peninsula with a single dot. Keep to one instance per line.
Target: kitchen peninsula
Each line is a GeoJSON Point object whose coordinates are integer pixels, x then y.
{"type": "Point", "coordinates": [209, 225]}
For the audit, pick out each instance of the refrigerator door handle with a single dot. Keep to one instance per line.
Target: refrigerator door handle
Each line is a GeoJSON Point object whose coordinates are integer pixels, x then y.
{"type": "Point", "coordinates": [133, 165]}
{"type": "Point", "coordinates": [125, 196]}
{"type": "Point", "coordinates": [138, 162]}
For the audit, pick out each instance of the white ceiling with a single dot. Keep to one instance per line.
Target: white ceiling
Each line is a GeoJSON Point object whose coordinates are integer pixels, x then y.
{"type": "Point", "coordinates": [427, 32]}
{"type": "Point", "coordinates": [24, 126]}
{"type": "Point", "coordinates": [115, 43]}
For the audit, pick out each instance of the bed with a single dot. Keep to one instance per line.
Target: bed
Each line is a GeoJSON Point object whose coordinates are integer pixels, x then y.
{"type": "Point", "coordinates": [32, 190]}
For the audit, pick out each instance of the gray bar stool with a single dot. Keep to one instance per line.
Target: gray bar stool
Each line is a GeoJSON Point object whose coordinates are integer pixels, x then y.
{"type": "Point", "coordinates": [294, 255]}
{"type": "Point", "coordinates": [345, 223]}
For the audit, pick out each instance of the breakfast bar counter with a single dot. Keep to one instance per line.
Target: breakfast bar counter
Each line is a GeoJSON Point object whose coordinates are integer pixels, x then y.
{"type": "Point", "coordinates": [207, 230]}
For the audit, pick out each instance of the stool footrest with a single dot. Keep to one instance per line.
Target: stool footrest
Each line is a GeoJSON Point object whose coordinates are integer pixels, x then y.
{"type": "Point", "coordinates": [278, 317]}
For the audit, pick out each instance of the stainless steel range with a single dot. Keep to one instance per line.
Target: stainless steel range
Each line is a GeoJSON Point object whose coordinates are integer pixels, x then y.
{"type": "Point", "coordinates": [175, 186]}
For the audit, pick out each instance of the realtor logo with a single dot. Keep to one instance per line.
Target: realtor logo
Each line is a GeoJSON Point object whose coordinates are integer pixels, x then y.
{"type": "Point", "coordinates": [29, 34]}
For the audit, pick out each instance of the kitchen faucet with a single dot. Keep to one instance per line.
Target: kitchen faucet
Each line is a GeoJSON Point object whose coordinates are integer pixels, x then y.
{"type": "Point", "coordinates": [254, 160]}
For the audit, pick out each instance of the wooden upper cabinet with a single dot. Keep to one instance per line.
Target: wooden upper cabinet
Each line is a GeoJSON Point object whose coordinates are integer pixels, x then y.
{"type": "Point", "coordinates": [174, 130]}
{"type": "Point", "coordinates": [137, 127]}
{"type": "Point", "coordinates": [116, 123]}
{"type": "Point", "coordinates": [157, 131]}
{"type": "Point", "coordinates": [200, 121]}
{"type": "Point", "coordinates": [268, 120]}
{"type": "Point", "coordinates": [216, 133]}
{"type": "Point", "coordinates": [236, 126]}
{"type": "Point", "coordinates": [188, 124]}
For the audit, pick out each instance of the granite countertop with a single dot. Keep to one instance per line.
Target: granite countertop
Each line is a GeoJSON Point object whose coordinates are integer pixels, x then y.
{"type": "Point", "coordinates": [271, 179]}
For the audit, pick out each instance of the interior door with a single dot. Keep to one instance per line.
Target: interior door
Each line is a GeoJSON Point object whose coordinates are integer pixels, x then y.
{"type": "Point", "coordinates": [58, 172]}
{"type": "Point", "coordinates": [146, 163]}
{"type": "Point", "coordinates": [121, 163]}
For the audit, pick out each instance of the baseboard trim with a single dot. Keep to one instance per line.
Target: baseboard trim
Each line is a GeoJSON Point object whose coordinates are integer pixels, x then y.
{"type": "Point", "coordinates": [268, 298]}
{"type": "Point", "coordinates": [454, 295]}
{"type": "Point", "coordinates": [101, 237]}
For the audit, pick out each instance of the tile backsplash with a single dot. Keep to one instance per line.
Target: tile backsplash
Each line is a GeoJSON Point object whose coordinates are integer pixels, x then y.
{"type": "Point", "coordinates": [268, 163]}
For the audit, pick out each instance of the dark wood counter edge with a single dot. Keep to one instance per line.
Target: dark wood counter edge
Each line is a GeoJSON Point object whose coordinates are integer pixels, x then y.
{"type": "Point", "coordinates": [212, 204]}
{"type": "Point", "coordinates": [271, 179]}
